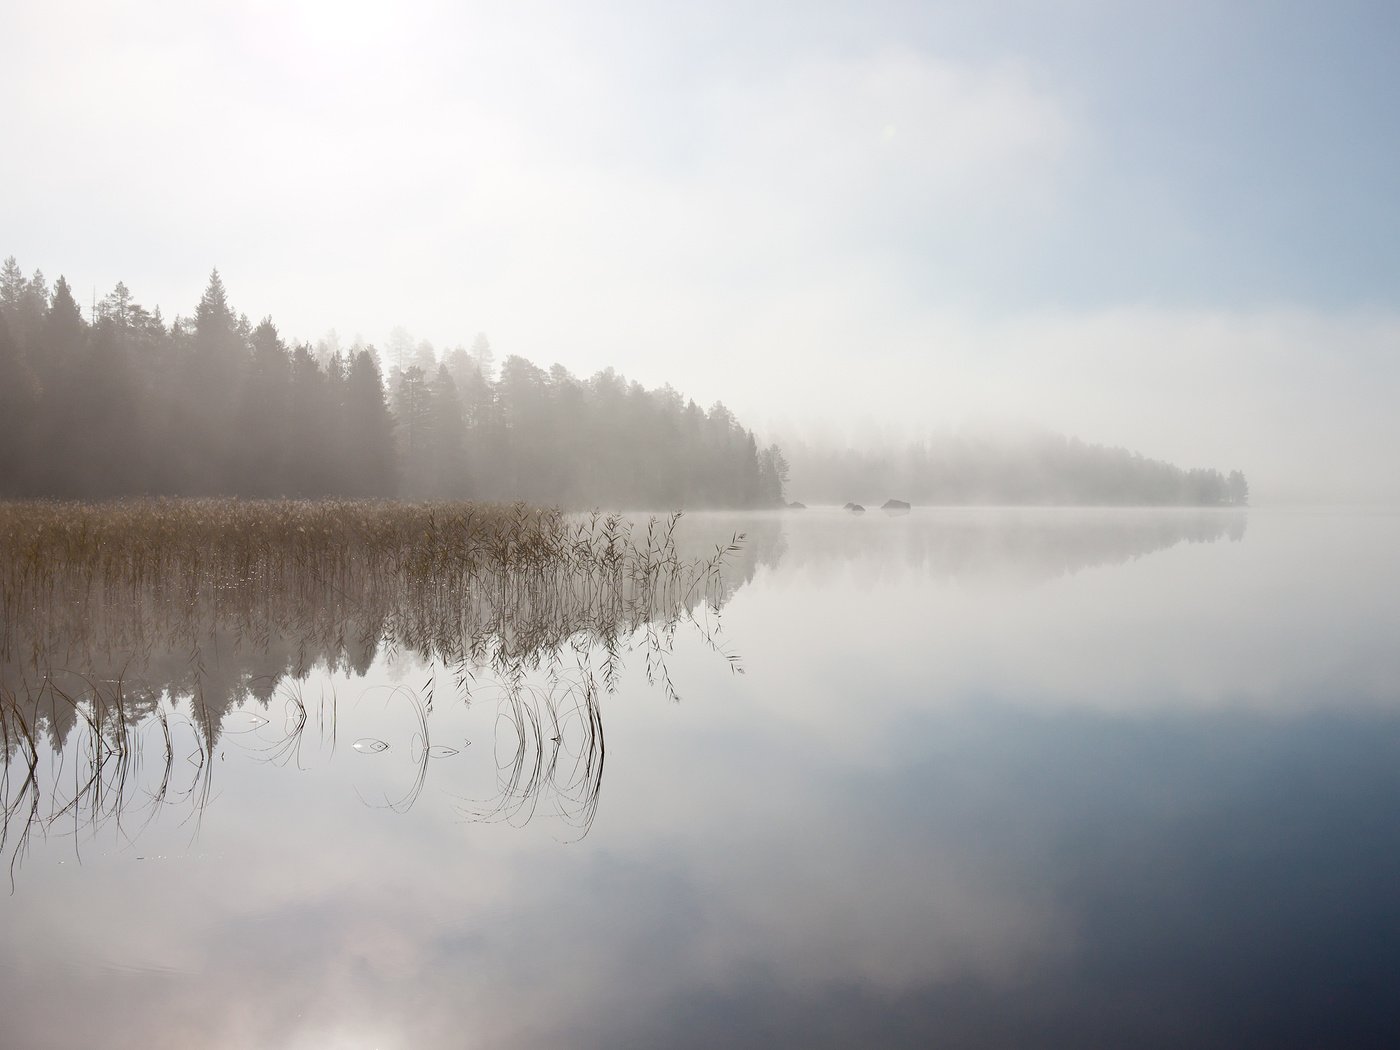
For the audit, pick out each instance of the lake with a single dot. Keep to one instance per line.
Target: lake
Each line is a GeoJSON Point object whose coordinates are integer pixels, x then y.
{"type": "Point", "coordinates": [962, 777]}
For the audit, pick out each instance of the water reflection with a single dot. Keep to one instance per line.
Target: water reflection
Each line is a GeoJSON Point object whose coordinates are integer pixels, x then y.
{"type": "Point", "coordinates": [1013, 543]}
{"type": "Point", "coordinates": [125, 672]}
{"type": "Point", "coordinates": [137, 678]}
{"type": "Point", "coordinates": [994, 778]}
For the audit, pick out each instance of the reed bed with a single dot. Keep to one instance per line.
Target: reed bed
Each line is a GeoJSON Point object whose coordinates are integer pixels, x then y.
{"type": "Point", "coordinates": [451, 580]}
{"type": "Point", "coordinates": [228, 542]}
{"type": "Point", "coordinates": [118, 617]}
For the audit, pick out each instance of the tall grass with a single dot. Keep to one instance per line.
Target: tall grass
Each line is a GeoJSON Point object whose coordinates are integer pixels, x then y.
{"type": "Point", "coordinates": [452, 580]}
{"type": "Point", "coordinates": [109, 612]}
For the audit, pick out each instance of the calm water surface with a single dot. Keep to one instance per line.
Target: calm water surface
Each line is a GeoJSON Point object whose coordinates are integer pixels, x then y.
{"type": "Point", "coordinates": [954, 778]}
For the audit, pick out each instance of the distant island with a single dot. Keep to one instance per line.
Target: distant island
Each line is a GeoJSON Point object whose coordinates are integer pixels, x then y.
{"type": "Point", "coordinates": [987, 468]}
{"type": "Point", "coordinates": [122, 403]}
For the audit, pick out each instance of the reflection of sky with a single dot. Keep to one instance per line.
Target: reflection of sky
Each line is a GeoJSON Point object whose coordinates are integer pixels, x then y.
{"type": "Point", "coordinates": [1146, 803]}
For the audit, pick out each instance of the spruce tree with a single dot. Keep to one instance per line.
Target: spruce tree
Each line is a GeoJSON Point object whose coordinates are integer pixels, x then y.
{"type": "Point", "coordinates": [370, 430]}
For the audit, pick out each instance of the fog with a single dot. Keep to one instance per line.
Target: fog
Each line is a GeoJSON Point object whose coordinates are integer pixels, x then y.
{"type": "Point", "coordinates": [1166, 230]}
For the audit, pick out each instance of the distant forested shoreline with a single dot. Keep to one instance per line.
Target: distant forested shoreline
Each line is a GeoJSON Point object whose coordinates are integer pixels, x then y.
{"type": "Point", "coordinates": [123, 403]}
{"type": "Point", "coordinates": [988, 468]}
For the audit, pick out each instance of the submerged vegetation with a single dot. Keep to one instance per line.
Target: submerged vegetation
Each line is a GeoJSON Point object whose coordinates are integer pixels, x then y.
{"type": "Point", "coordinates": [131, 632]}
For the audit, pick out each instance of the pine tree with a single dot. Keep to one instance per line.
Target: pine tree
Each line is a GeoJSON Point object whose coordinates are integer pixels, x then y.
{"type": "Point", "coordinates": [263, 413]}
{"type": "Point", "coordinates": [484, 357]}
{"type": "Point", "coordinates": [413, 419]}
{"type": "Point", "coordinates": [117, 307]}
{"type": "Point", "coordinates": [57, 365]}
{"type": "Point", "coordinates": [773, 474]}
{"type": "Point", "coordinates": [448, 436]}
{"type": "Point", "coordinates": [312, 427]}
{"type": "Point", "coordinates": [12, 286]}
{"type": "Point", "coordinates": [210, 397]}
{"type": "Point", "coordinates": [110, 458]}
{"type": "Point", "coordinates": [370, 430]}
{"type": "Point", "coordinates": [17, 418]}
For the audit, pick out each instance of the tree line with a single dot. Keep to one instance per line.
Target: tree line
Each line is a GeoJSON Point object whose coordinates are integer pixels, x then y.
{"type": "Point", "coordinates": [122, 403]}
{"type": "Point", "coordinates": [984, 468]}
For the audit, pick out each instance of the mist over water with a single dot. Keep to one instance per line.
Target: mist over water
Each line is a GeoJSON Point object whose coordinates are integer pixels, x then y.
{"type": "Point", "coordinates": [832, 219]}
{"type": "Point", "coordinates": [616, 525]}
{"type": "Point", "coordinates": [1018, 775]}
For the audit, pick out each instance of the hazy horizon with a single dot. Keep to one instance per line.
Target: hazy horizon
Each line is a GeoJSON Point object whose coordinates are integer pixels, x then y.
{"type": "Point", "coordinates": [1169, 230]}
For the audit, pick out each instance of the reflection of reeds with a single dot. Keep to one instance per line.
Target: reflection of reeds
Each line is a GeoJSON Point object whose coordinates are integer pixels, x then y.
{"type": "Point", "coordinates": [556, 749]}
{"type": "Point", "coordinates": [453, 581]}
{"type": "Point", "coordinates": [100, 773]}
{"type": "Point", "coordinates": [170, 611]}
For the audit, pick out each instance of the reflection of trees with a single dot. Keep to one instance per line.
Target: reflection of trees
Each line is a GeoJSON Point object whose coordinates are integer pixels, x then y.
{"type": "Point", "coordinates": [124, 663]}
{"type": "Point", "coordinates": [984, 543]}
{"type": "Point", "coordinates": [955, 543]}
{"type": "Point", "coordinates": [223, 625]}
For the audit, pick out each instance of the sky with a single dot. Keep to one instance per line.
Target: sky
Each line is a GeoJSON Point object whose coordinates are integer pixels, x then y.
{"type": "Point", "coordinates": [1164, 226]}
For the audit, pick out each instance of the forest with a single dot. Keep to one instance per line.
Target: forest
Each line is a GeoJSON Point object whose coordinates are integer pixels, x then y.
{"type": "Point", "coordinates": [123, 403]}
{"type": "Point", "coordinates": [990, 467]}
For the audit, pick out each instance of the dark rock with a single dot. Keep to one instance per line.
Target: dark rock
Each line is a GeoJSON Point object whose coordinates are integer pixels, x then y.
{"type": "Point", "coordinates": [895, 504]}
{"type": "Point", "coordinates": [855, 508]}
{"type": "Point", "coordinates": [794, 505]}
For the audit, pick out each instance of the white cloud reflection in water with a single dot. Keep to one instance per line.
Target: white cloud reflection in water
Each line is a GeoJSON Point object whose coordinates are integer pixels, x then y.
{"type": "Point", "coordinates": [989, 776]}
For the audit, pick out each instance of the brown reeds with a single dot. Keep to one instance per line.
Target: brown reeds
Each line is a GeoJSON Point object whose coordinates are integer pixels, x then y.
{"type": "Point", "coordinates": [110, 613]}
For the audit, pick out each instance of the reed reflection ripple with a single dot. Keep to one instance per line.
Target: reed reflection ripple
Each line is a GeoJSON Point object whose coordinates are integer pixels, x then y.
{"type": "Point", "coordinates": [132, 631]}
